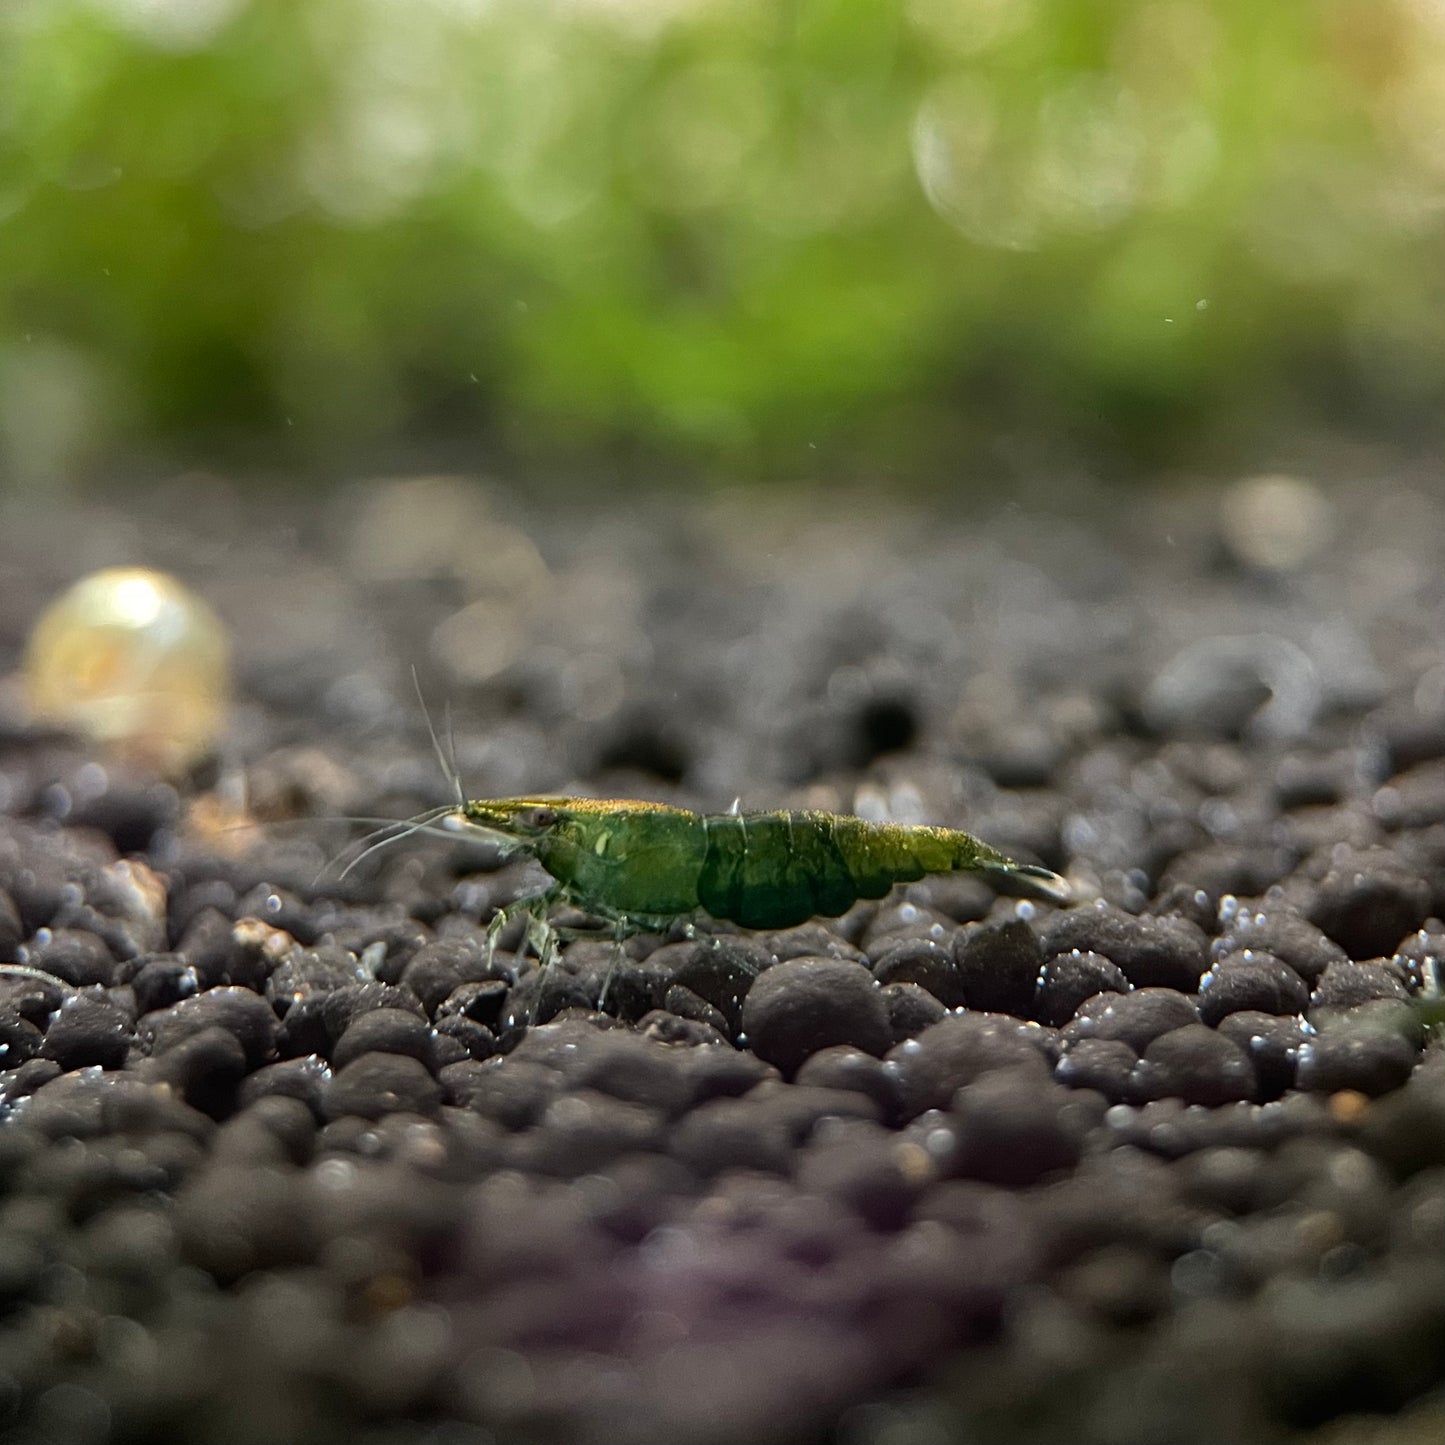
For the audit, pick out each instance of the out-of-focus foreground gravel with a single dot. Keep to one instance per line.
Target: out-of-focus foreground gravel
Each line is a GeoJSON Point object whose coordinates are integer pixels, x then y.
{"type": "Point", "coordinates": [1166, 1166]}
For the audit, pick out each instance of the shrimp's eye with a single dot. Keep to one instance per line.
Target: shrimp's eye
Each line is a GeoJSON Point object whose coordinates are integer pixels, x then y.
{"type": "Point", "coordinates": [541, 818]}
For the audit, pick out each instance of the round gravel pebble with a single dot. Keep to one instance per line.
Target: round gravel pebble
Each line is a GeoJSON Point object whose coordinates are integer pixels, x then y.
{"type": "Point", "coordinates": [303, 1079]}
{"type": "Point", "coordinates": [685, 1004]}
{"type": "Point", "coordinates": [1067, 979]}
{"type": "Point", "coordinates": [374, 1085]}
{"type": "Point", "coordinates": [341, 1005]}
{"type": "Point", "coordinates": [1251, 980]}
{"type": "Point", "coordinates": [1290, 937]}
{"type": "Point", "coordinates": [732, 1134]}
{"type": "Point", "coordinates": [1197, 1065]}
{"type": "Point", "coordinates": [1369, 1060]}
{"type": "Point", "coordinates": [1136, 1019]}
{"type": "Point", "coordinates": [842, 1067]}
{"type": "Point", "coordinates": [162, 980]}
{"type": "Point", "coordinates": [925, 962]}
{"type": "Point", "coordinates": [1368, 901]}
{"type": "Point", "coordinates": [437, 969]}
{"type": "Point", "coordinates": [911, 1009]}
{"type": "Point", "coordinates": [76, 957]}
{"type": "Point", "coordinates": [868, 1171]}
{"type": "Point", "coordinates": [929, 1070]}
{"type": "Point", "coordinates": [1105, 1065]}
{"type": "Point", "coordinates": [306, 971]}
{"type": "Point", "coordinates": [481, 1001]}
{"type": "Point", "coordinates": [204, 1065]}
{"type": "Point", "coordinates": [998, 966]}
{"type": "Point", "coordinates": [89, 1029]}
{"type": "Point", "coordinates": [239, 1011]}
{"type": "Point", "coordinates": [638, 1071]}
{"type": "Point", "coordinates": [1161, 951]}
{"type": "Point", "coordinates": [209, 946]}
{"type": "Point", "coordinates": [1343, 985]}
{"type": "Point", "coordinates": [474, 1040]}
{"type": "Point", "coordinates": [719, 970]}
{"type": "Point", "coordinates": [798, 1007]}
{"type": "Point", "coordinates": [384, 1031]}
{"type": "Point", "coordinates": [1015, 1132]}
{"type": "Point", "coordinates": [20, 1040]}
{"type": "Point", "coordinates": [1272, 1043]}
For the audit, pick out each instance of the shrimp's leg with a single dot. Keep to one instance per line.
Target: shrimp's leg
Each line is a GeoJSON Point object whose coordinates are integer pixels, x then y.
{"type": "Point", "coordinates": [534, 907]}
{"type": "Point", "coordinates": [619, 932]}
{"type": "Point", "coordinates": [543, 938]}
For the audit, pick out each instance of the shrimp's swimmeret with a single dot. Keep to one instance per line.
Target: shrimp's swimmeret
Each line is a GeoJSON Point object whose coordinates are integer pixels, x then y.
{"type": "Point", "coordinates": [641, 865]}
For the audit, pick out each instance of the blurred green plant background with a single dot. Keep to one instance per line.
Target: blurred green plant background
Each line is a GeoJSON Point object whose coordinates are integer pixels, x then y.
{"type": "Point", "coordinates": [774, 238]}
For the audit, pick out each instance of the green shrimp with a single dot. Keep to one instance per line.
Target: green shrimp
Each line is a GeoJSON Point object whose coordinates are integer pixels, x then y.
{"type": "Point", "coordinates": [640, 866]}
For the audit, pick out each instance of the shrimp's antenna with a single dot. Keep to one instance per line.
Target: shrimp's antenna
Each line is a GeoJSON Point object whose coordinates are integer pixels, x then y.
{"type": "Point", "coordinates": [449, 771]}
{"type": "Point", "coordinates": [448, 720]}
{"type": "Point", "coordinates": [410, 827]}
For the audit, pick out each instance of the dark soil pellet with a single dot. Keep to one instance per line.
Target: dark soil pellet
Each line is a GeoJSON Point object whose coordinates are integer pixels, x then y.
{"type": "Point", "coordinates": [236, 1219]}
{"type": "Point", "coordinates": [1014, 1132]}
{"type": "Point", "coordinates": [1107, 1065]}
{"type": "Point", "coordinates": [1067, 979]}
{"type": "Point", "coordinates": [929, 1070]}
{"type": "Point", "coordinates": [480, 1001]}
{"type": "Point", "coordinates": [1251, 980]}
{"type": "Point", "coordinates": [1342, 985]}
{"type": "Point", "coordinates": [512, 1092]}
{"type": "Point", "coordinates": [911, 1009]}
{"type": "Point", "coordinates": [341, 1005]}
{"type": "Point", "coordinates": [1272, 1043]}
{"type": "Point", "coordinates": [1368, 901]}
{"type": "Point", "coordinates": [384, 1031]}
{"type": "Point", "coordinates": [1162, 952]}
{"type": "Point", "coordinates": [842, 1067]}
{"type": "Point", "coordinates": [204, 1064]}
{"type": "Point", "coordinates": [209, 946]}
{"type": "Point", "coordinates": [162, 980]}
{"type": "Point", "coordinates": [400, 939]}
{"type": "Point", "coordinates": [798, 1007]}
{"type": "Point", "coordinates": [926, 962]}
{"type": "Point", "coordinates": [998, 966]}
{"type": "Point", "coordinates": [687, 1005]}
{"type": "Point", "coordinates": [729, 1134]}
{"type": "Point", "coordinates": [1198, 1065]}
{"type": "Point", "coordinates": [476, 1041]}
{"type": "Point", "coordinates": [308, 971]}
{"type": "Point", "coordinates": [280, 908]}
{"type": "Point", "coordinates": [303, 1079]}
{"type": "Point", "coordinates": [638, 1071]}
{"type": "Point", "coordinates": [73, 956]}
{"type": "Point", "coordinates": [584, 1131]}
{"type": "Point", "coordinates": [435, 970]}
{"type": "Point", "coordinates": [375, 1085]}
{"type": "Point", "coordinates": [1290, 937]}
{"type": "Point", "coordinates": [1136, 1019]}
{"type": "Point", "coordinates": [1370, 1060]}
{"type": "Point", "coordinates": [718, 970]}
{"type": "Point", "coordinates": [866, 1170]}
{"type": "Point", "coordinates": [20, 1040]}
{"type": "Point", "coordinates": [669, 1028]}
{"type": "Point", "coordinates": [245, 1014]}
{"type": "Point", "coordinates": [89, 1029]}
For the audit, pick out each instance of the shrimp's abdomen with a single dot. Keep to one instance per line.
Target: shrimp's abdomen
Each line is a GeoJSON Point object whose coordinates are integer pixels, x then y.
{"type": "Point", "coordinates": [774, 870]}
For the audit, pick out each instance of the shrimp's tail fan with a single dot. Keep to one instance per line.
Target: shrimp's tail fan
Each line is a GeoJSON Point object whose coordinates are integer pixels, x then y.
{"type": "Point", "coordinates": [1030, 881]}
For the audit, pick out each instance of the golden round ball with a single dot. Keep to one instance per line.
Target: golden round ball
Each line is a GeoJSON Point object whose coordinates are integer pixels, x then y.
{"type": "Point", "coordinates": [131, 659]}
